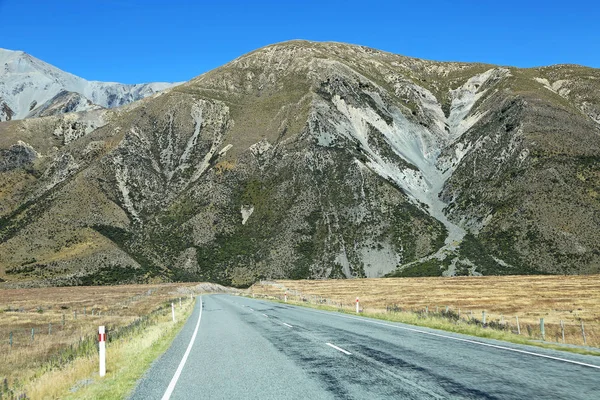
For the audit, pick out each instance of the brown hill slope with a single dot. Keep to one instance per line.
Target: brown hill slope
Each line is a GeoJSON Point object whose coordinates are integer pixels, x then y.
{"type": "Point", "coordinates": [310, 159]}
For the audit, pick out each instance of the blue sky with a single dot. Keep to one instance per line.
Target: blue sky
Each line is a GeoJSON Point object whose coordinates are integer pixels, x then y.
{"type": "Point", "coordinates": [174, 40]}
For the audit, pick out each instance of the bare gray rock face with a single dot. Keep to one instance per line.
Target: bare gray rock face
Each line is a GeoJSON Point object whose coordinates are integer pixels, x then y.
{"type": "Point", "coordinates": [311, 160]}
{"type": "Point", "coordinates": [29, 87]}
{"type": "Point", "coordinates": [19, 155]}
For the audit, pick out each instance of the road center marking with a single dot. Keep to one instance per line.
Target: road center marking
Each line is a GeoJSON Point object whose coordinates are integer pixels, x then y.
{"type": "Point", "coordinates": [288, 325]}
{"type": "Point", "coordinates": [251, 309]}
{"type": "Point", "coordinates": [171, 387]}
{"type": "Point", "coordinates": [461, 340]}
{"type": "Point", "coordinates": [266, 315]}
{"type": "Point", "coordinates": [458, 339]}
{"type": "Point", "coordinates": [338, 348]}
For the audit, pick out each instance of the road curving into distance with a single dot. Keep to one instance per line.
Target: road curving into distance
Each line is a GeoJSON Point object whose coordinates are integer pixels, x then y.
{"type": "Point", "coordinates": [241, 348]}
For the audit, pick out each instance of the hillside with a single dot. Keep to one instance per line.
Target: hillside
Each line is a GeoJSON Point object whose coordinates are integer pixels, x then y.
{"type": "Point", "coordinates": [30, 87]}
{"type": "Point", "coordinates": [311, 160]}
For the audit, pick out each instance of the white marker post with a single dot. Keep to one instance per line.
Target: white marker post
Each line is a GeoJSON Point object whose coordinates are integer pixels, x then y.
{"type": "Point", "coordinates": [102, 349]}
{"type": "Point", "coordinates": [357, 306]}
{"type": "Point", "coordinates": [285, 297]}
{"type": "Point", "coordinates": [173, 311]}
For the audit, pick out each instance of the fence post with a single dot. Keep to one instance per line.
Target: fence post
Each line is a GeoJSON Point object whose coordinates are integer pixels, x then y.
{"type": "Point", "coordinates": [84, 311]}
{"type": "Point", "coordinates": [173, 311]}
{"type": "Point", "coordinates": [562, 330]}
{"type": "Point", "coordinates": [483, 318]}
{"type": "Point", "coordinates": [426, 309]}
{"type": "Point", "coordinates": [32, 334]}
{"type": "Point", "coordinates": [180, 302]}
{"type": "Point", "coordinates": [49, 328]}
{"type": "Point", "coordinates": [502, 319]}
{"type": "Point", "coordinates": [63, 320]}
{"type": "Point", "coordinates": [542, 331]}
{"type": "Point", "coordinates": [10, 339]}
{"type": "Point", "coordinates": [583, 333]}
{"type": "Point", "coordinates": [102, 350]}
{"type": "Point", "coordinates": [518, 326]}
{"type": "Point", "coordinates": [74, 314]}
{"type": "Point", "coordinates": [447, 308]}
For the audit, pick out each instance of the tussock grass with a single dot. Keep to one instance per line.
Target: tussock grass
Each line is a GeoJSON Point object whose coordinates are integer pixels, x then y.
{"type": "Point", "coordinates": [437, 322]}
{"type": "Point", "coordinates": [70, 350]}
{"type": "Point", "coordinates": [572, 299]}
{"type": "Point", "coordinates": [128, 359]}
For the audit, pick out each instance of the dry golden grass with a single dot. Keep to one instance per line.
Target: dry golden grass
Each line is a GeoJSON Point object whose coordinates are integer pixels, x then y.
{"type": "Point", "coordinates": [571, 299]}
{"type": "Point", "coordinates": [223, 166]}
{"type": "Point", "coordinates": [112, 306]}
{"type": "Point", "coordinates": [126, 361]}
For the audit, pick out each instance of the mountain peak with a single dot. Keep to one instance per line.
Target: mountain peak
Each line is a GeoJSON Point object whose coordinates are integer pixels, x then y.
{"type": "Point", "coordinates": [28, 83]}
{"type": "Point", "coordinates": [310, 159]}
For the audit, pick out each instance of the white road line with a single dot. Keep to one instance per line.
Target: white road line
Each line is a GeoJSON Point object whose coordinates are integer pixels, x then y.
{"type": "Point", "coordinates": [338, 348]}
{"type": "Point", "coordinates": [266, 315]}
{"type": "Point", "coordinates": [171, 387]}
{"type": "Point", "coordinates": [288, 325]}
{"type": "Point", "coordinates": [251, 309]}
{"type": "Point", "coordinates": [463, 340]}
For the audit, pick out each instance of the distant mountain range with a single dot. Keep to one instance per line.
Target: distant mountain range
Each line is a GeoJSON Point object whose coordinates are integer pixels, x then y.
{"type": "Point", "coordinates": [32, 88]}
{"type": "Point", "coordinates": [303, 160]}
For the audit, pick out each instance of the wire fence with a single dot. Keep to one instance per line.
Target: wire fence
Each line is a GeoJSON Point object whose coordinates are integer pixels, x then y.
{"type": "Point", "coordinates": [561, 332]}
{"type": "Point", "coordinates": [33, 333]}
{"type": "Point", "coordinates": [68, 336]}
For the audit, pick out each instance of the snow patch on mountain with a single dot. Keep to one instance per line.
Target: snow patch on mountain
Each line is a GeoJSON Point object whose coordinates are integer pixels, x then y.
{"type": "Point", "coordinates": [27, 83]}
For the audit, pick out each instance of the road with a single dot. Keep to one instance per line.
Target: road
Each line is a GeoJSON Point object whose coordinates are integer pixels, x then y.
{"type": "Point", "coordinates": [241, 348]}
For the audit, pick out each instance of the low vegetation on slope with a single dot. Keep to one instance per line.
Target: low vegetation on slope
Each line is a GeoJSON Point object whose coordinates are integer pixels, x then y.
{"type": "Point", "coordinates": [311, 160]}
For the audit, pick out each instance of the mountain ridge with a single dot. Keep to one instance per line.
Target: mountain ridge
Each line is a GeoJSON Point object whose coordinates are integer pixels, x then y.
{"type": "Point", "coordinates": [27, 82]}
{"type": "Point", "coordinates": [311, 160]}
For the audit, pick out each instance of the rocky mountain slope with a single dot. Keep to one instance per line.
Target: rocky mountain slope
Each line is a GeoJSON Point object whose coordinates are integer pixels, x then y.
{"type": "Point", "coordinates": [311, 160]}
{"type": "Point", "coordinates": [32, 88]}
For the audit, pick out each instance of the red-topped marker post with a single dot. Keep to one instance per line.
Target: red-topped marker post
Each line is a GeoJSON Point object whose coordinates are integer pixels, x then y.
{"type": "Point", "coordinates": [102, 349]}
{"type": "Point", "coordinates": [357, 306]}
{"type": "Point", "coordinates": [285, 297]}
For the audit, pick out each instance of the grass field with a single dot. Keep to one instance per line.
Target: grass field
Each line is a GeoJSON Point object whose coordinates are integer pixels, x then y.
{"type": "Point", "coordinates": [571, 299]}
{"type": "Point", "coordinates": [56, 345]}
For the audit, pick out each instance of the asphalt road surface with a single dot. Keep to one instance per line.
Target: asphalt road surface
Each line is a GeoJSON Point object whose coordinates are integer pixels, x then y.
{"type": "Point", "coordinates": [241, 348]}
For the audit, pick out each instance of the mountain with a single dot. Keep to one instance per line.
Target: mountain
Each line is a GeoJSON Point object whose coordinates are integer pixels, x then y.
{"type": "Point", "coordinates": [28, 84]}
{"type": "Point", "coordinates": [311, 160]}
